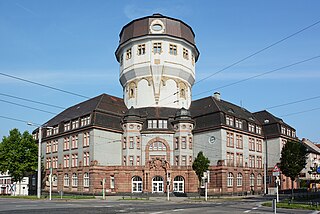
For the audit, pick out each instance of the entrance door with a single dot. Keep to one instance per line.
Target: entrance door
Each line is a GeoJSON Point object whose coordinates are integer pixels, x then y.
{"type": "Point", "coordinates": [157, 184]}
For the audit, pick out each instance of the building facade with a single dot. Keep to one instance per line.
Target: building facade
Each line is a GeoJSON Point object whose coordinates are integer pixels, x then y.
{"type": "Point", "coordinates": [150, 138]}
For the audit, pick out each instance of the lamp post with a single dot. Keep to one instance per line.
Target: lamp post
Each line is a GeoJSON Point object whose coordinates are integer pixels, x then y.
{"type": "Point", "coordinates": [266, 160]}
{"type": "Point", "coordinates": [39, 157]}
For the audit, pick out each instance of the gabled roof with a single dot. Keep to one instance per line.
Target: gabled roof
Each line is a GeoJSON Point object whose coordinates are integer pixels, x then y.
{"type": "Point", "coordinates": [104, 102]}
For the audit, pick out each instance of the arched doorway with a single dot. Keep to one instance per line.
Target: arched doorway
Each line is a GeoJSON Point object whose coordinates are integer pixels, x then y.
{"type": "Point", "coordinates": [157, 184]}
{"type": "Point", "coordinates": [136, 184]}
{"type": "Point", "coordinates": [178, 184]}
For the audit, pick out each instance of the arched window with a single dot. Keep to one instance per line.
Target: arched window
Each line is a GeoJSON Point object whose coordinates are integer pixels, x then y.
{"type": "Point", "coordinates": [157, 146]}
{"type": "Point", "coordinates": [86, 181]}
{"type": "Point", "coordinates": [252, 180]}
{"type": "Point", "coordinates": [66, 180]}
{"type": "Point", "coordinates": [157, 184]}
{"type": "Point", "coordinates": [259, 180]}
{"type": "Point", "coordinates": [239, 179]}
{"type": "Point", "coordinates": [74, 180]}
{"type": "Point", "coordinates": [54, 180]}
{"type": "Point", "coordinates": [136, 184]}
{"type": "Point", "coordinates": [230, 179]}
{"type": "Point", "coordinates": [178, 184]}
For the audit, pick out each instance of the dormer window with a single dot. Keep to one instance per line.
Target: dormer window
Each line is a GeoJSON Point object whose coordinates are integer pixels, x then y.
{"type": "Point", "coordinates": [251, 127]}
{"type": "Point", "coordinates": [55, 129]}
{"type": "Point", "coordinates": [75, 124]}
{"type": "Point", "coordinates": [85, 120]}
{"type": "Point", "coordinates": [229, 120]}
{"type": "Point", "coordinates": [283, 130]}
{"type": "Point", "coordinates": [157, 124]}
{"type": "Point", "coordinates": [258, 129]}
{"type": "Point", "coordinates": [238, 123]}
{"type": "Point", "coordinates": [67, 126]}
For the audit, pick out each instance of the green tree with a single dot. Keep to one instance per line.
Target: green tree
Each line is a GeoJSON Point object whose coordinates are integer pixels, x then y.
{"type": "Point", "coordinates": [18, 154]}
{"type": "Point", "coordinates": [200, 165]}
{"type": "Point", "coordinates": [293, 160]}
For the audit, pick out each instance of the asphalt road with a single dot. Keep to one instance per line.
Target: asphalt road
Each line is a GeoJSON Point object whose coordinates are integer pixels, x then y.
{"type": "Point", "coordinates": [251, 206]}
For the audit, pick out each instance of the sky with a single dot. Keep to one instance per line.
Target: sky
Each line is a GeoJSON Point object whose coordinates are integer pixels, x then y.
{"type": "Point", "coordinates": [70, 45]}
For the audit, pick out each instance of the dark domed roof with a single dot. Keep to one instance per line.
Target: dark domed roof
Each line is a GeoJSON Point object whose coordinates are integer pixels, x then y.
{"type": "Point", "coordinates": [172, 27]}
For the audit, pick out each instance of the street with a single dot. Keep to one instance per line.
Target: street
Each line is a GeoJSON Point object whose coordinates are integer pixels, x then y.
{"type": "Point", "coordinates": [153, 206]}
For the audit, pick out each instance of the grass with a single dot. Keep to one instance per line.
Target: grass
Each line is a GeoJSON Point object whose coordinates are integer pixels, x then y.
{"type": "Point", "coordinates": [295, 205]}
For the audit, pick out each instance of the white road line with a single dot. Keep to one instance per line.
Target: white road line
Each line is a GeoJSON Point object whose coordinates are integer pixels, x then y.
{"type": "Point", "coordinates": [255, 208]}
{"type": "Point", "coordinates": [178, 210]}
{"type": "Point", "coordinates": [247, 211]}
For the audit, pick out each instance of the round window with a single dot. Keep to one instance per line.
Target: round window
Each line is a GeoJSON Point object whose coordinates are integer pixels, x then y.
{"type": "Point", "coordinates": [157, 27]}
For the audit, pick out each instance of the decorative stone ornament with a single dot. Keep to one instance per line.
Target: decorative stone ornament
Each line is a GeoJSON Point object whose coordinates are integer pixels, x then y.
{"type": "Point", "coordinates": [157, 27]}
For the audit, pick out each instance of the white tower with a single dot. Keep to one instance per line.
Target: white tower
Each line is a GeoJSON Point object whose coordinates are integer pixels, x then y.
{"type": "Point", "coordinates": [157, 56]}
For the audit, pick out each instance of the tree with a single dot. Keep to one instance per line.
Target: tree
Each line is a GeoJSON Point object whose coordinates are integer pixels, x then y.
{"type": "Point", "coordinates": [293, 160]}
{"type": "Point", "coordinates": [18, 155]}
{"type": "Point", "coordinates": [200, 165]}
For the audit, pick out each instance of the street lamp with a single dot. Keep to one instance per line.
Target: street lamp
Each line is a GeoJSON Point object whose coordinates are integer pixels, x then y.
{"type": "Point", "coordinates": [266, 160]}
{"type": "Point", "coordinates": [39, 156]}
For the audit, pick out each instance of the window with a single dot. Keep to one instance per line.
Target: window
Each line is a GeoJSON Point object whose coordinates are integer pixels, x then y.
{"type": "Point", "coordinates": [66, 180]}
{"type": "Point", "coordinates": [238, 123]}
{"type": "Point", "coordinates": [183, 142]}
{"type": "Point", "coordinates": [124, 160]}
{"type": "Point", "coordinates": [259, 145]}
{"type": "Point", "coordinates": [190, 160]}
{"type": "Point", "coordinates": [251, 127]}
{"type": "Point", "coordinates": [157, 124]}
{"type": "Point", "coordinates": [86, 180]}
{"type": "Point", "coordinates": [138, 160]}
{"type": "Point", "coordinates": [177, 160]}
{"type": "Point", "coordinates": [288, 132]}
{"type": "Point", "coordinates": [178, 184]}
{"type": "Point", "coordinates": [141, 49]}
{"type": "Point", "coordinates": [173, 49]}
{"type": "Point", "coordinates": [229, 120]}
{"type": "Point", "coordinates": [230, 180]}
{"type": "Point", "coordinates": [176, 143]}
{"type": "Point", "coordinates": [283, 130]}
{"type": "Point", "coordinates": [48, 147]}
{"type": "Point", "coordinates": [230, 159]}
{"type": "Point", "coordinates": [48, 163]}
{"type": "Point", "coordinates": [157, 47]}
{"type": "Point", "coordinates": [54, 180]}
{"type": "Point", "coordinates": [86, 160]}
{"type": "Point", "coordinates": [252, 180]}
{"type": "Point", "coordinates": [49, 131]}
{"type": "Point", "coordinates": [55, 146]}
{"type": "Point", "coordinates": [251, 161]}
{"type": "Point", "coordinates": [124, 143]}
{"type": "Point", "coordinates": [190, 142]}
{"type": "Point", "coordinates": [157, 184]}
{"type": "Point", "coordinates": [138, 142]}
{"type": "Point", "coordinates": [85, 120]}
{"type": "Point", "coordinates": [131, 142]}
{"type": "Point", "coordinates": [136, 184]}
{"type": "Point", "coordinates": [74, 141]}
{"type": "Point", "coordinates": [185, 53]}
{"type": "Point", "coordinates": [258, 129]}
{"type": "Point", "coordinates": [131, 160]}
{"type": "Point", "coordinates": [75, 124]}
{"type": "Point", "coordinates": [230, 140]}
{"type": "Point", "coordinates": [66, 161]}
{"type": "Point", "coordinates": [293, 133]}
{"type": "Point", "coordinates": [86, 139]}
{"type": "Point", "coordinates": [112, 182]}
{"type": "Point", "coordinates": [56, 130]}
{"type": "Point", "coordinates": [239, 179]}
{"type": "Point", "coordinates": [74, 180]}
{"type": "Point", "coordinates": [259, 180]}
{"type": "Point", "coordinates": [55, 162]}
{"type": "Point", "coordinates": [66, 143]}
{"type": "Point", "coordinates": [74, 161]}
{"type": "Point", "coordinates": [157, 146]}
{"type": "Point", "coordinates": [239, 160]}
{"type": "Point", "coordinates": [67, 126]}
{"type": "Point", "coordinates": [239, 141]}
{"type": "Point", "coordinates": [259, 162]}
{"type": "Point", "coordinates": [251, 144]}
{"type": "Point", "coordinates": [183, 160]}
{"type": "Point", "coordinates": [128, 54]}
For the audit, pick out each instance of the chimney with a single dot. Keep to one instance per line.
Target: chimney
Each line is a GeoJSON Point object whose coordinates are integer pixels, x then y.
{"type": "Point", "coordinates": [216, 95]}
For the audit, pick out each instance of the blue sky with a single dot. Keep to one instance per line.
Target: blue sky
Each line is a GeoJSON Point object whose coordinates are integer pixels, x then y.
{"type": "Point", "coordinates": [70, 45]}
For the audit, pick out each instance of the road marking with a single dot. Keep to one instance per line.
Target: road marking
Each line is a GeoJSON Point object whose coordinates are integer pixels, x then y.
{"type": "Point", "coordinates": [255, 208]}
{"type": "Point", "coordinates": [247, 211]}
{"type": "Point", "coordinates": [178, 210]}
